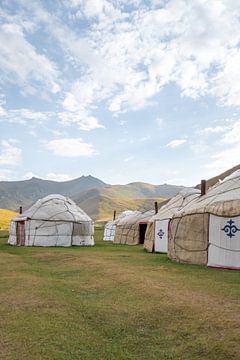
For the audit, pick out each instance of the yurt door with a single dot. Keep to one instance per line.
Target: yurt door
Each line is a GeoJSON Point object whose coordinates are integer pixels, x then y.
{"type": "Point", "coordinates": [20, 233]}
{"type": "Point", "coordinates": [224, 242]}
{"type": "Point", "coordinates": [142, 231]}
{"type": "Point", "coordinates": [161, 236]}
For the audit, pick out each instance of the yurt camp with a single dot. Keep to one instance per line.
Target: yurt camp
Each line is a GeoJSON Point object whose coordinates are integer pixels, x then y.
{"type": "Point", "coordinates": [110, 227]}
{"type": "Point", "coordinates": [132, 228]}
{"type": "Point", "coordinates": [208, 230]}
{"type": "Point", "coordinates": [156, 237]}
{"type": "Point", "coordinates": [54, 220]}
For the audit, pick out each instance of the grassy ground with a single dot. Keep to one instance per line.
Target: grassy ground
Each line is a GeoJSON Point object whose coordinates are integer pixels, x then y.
{"type": "Point", "coordinates": [114, 302]}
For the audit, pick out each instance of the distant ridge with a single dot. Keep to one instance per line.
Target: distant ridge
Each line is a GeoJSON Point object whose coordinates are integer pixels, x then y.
{"type": "Point", "coordinates": [94, 196]}
{"type": "Point", "coordinates": [25, 192]}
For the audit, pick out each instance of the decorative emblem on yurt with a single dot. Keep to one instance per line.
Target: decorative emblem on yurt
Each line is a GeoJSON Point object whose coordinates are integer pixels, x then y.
{"type": "Point", "coordinates": [230, 229]}
{"type": "Point", "coordinates": [161, 233]}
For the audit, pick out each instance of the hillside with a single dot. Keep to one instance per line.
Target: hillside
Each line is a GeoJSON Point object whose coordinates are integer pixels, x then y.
{"type": "Point", "coordinates": [100, 203]}
{"type": "Point", "coordinates": [102, 207]}
{"type": "Point", "coordinates": [97, 198]}
{"type": "Point", "coordinates": [5, 217]}
{"type": "Point", "coordinates": [139, 190]}
{"type": "Point", "coordinates": [26, 192]}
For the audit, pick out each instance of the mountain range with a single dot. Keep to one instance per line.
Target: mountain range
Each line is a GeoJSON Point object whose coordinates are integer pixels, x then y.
{"type": "Point", "coordinates": [94, 196]}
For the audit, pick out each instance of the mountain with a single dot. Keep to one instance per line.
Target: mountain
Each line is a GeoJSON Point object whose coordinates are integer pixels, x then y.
{"type": "Point", "coordinates": [101, 203]}
{"type": "Point", "coordinates": [97, 198]}
{"type": "Point", "coordinates": [16, 193]}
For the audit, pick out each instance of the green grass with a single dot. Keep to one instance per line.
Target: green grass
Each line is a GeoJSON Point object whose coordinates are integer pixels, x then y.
{"type": "Point", "coordinates": [114, 302]}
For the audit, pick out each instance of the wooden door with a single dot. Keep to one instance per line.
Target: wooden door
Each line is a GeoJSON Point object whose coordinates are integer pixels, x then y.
{"type": "Point", "coordinates": [20, 233]}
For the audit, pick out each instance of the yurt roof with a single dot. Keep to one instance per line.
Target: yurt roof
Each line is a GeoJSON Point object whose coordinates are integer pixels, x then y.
{"type": "Point", "coordinates": [184, 197]}
{"type": "Point", "coordinates": [222, 199]}
{"type": "Point", "coordinates": [122, 215]}
{"type": "Point", "coordinates": [54, 207]}
{"type": "Point", "coordinates": [136, 217]}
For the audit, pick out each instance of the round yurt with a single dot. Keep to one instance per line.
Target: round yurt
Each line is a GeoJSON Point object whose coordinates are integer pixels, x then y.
{"type": "Point", "coordinates": [54, 220]}
{"type": "Point", "coordinates": [132, 228]}
{"type": "Point", "coordinates": [110, 227]}
{"type": "Point", "coordinates": [208, 230]}
{"type": "Point", "coordinates": [156, 237]}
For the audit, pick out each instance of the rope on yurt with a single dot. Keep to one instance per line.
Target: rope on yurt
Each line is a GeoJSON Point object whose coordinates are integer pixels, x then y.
{"type": "Point", "coordinates": [56, 233]}
{"type": "Point", "coordinates": [223, 248]}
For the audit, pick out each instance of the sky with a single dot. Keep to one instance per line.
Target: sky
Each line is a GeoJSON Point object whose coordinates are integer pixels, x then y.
{"type": "Point", "coordinates": [123, 90]}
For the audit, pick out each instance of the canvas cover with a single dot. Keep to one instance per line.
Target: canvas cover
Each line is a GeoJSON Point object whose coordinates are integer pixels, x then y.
{"type": "Point", "coordinates": [52, 221]}
{"type": "Point", "coordinates": [190, 228]}
{"type": "Point", "coordinates": [224, 242]}
{"type": "Point", "coordinates": [152, 239]}
{"type": "Point", "coordinates": [127, 229]}
{"type": "Point", "coordinates": [110, 227]}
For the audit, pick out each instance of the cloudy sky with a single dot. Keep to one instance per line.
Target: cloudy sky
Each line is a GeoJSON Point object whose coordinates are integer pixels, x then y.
{"type": "Point", "coordinates": [124, 90]}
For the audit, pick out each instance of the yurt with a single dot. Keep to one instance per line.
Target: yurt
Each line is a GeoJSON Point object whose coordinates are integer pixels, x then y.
{"type": "Point", "coordinates": [110, 227]}
{"type": "Point", "coordinates": [54, 220]}
{"type": "Point", "coordinates": [208, 230]}
{"type": "Point", "coordinates": [156, 237]}
{"type": "Point", "coordinates": [131, 229]}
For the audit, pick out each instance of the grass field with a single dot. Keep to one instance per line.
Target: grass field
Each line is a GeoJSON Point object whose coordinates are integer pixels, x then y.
{"type": "Point", "coordinates": [114, 302]}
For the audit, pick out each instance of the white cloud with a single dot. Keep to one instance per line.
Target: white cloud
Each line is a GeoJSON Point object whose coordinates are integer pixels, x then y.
{"type": "Point", "coordinates": [71, 147]}
{"type": "Point", "coordinates": [30, 175]}
{"type": "Point", "coordinates": [213, 130]}
{"type": "Point", "coordinates": [145, 138]}
{"type": "Point", "coordinates": [225, 159]}
{"type": "Point", "coordinates": [125, 55]}
{"type": "Point", "coordinates": [230, 155]}
{"type": "Point", "coordinates": [25, 116]}
{"type": "Point", "coordinates": [6, 175]}
{"type": "Point", "coordinates": [50, 176]}
{"type": "Point", "coordinates": [21, 64]}
{"type": "Point", "coordinates": [129, 158]}
{"type": "Point", "coordinates": [10, 154]}
{"type": "Point", "coordinates": [58, 177]}
{"type": "Point", "coordinates": [159, 122]}
{"type": "Point", "coordinates": [175, 143]}
{"type": "Point", "coordinates": [81, 118]}
{"type": "Point", "coordinates": [32, 118]}
{"type": "Point", "coordinates": [232, 136]}
{"type": "Point", "coordinates": [176, 181]}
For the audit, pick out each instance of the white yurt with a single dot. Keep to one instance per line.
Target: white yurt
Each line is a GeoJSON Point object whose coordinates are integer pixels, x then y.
{"type": "Point", "coordinates": [208, 230]}
{"type": "Point", "coordinates": [156, 237]}
{"type": "Point", "coordinates": [110, 227]}
{"type": "Point", "coordinates": [132, 228]}
{"type": "Point", "coordinates": [54, 220]}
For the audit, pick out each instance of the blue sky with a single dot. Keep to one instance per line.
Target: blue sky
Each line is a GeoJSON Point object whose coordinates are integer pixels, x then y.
{"type": "Point", "coordinates": [124, 90]}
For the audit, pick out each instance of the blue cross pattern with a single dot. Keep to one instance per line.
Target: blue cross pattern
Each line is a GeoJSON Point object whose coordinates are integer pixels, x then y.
{"type": "Point", "coordinates": [230, 228]}
{"type": "Point", "coordinates": [161, 233]}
